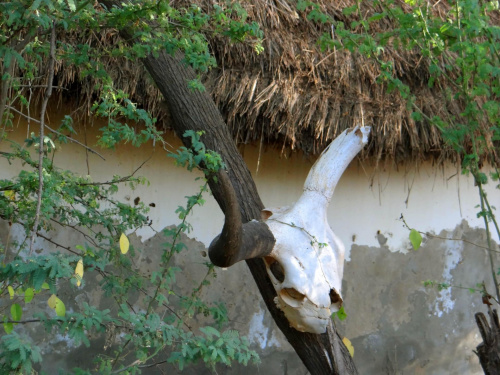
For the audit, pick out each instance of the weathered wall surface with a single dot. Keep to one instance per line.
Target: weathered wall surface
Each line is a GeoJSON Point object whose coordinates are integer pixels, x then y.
{"type": "Point", "coordinates": [395, 324]}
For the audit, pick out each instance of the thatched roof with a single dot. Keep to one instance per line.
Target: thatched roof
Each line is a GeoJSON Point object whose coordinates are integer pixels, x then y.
{"type": "Point", "coordinates": [292, 95]}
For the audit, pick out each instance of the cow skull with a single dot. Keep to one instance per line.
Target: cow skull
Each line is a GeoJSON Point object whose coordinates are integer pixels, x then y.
{"type": "Point", "coordinates": [303, 257]}
{"type": "Point", "coordinates": [307, 262]}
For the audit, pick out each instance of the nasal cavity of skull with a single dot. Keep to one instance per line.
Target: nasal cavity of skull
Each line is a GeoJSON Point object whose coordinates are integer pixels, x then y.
{"type": "Point", "coordinates": [292, 297]}
{"type": "Point", "coordinates": [334, 297]}
{"type": "Point", "coordinates": [276, 268]}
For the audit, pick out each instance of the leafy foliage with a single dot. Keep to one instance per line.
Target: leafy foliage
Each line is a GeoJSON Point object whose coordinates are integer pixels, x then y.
{"type": "Point", "coordinates": [460, 45]}
{"type": "Point", "coordinates": [42, 198]}
{"type": "Point", "coordinates": [146, 332]}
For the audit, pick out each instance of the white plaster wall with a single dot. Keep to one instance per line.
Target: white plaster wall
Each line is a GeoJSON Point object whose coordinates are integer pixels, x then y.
{"type": "Point", "coordinates": [367, 203]}
{"type": "Point", "coordinates": [364, 211]}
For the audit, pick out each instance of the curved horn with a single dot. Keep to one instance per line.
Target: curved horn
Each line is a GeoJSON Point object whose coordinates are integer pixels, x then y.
{"type": "Point", "coordinates": [238, 241]}
{"type": "Point", "coordinates": [326, 172]}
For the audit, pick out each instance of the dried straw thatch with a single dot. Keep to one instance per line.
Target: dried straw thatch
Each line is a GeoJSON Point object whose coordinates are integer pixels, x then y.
{"type": "Point", "coordinates": [294, 96]}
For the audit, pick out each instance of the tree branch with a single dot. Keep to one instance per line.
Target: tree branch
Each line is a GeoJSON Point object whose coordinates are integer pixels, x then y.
{"type": "Point", "coordinates": [56, 132]}
{"type": "Point", "coordinates": [122, 179]}
{"type": "Point", "coordinates": [195, 110]}
{"type": "Point", "coordinates": [46, 97]}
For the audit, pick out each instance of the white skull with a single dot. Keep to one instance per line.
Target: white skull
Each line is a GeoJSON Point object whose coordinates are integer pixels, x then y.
{"type": "Point", "coordinates": [306, 264]}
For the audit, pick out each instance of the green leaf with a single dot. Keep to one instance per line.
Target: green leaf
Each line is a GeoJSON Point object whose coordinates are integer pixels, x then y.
{"type": "Point", "coordinates": [341, 314]}
{"type": "Point", "coordinates": [8, 327]}
{"type": "Point", "coordinates": [16, 311]}
{"type": "Point", "coordinates": [376, 17]}
{"type": "Point", "coordinates": [60, 308]}
{"type": "Point", "coordinates": [415, 239]}
{"type": "Point", "coordinates": [349, 10]}
{"type": "Point", "coordinates": [28, 295]}
{"type": "Point", "coordinates": [416, 116]}
{"type": "Point", "coordinates": [210, 331]}
{"type": "Point", "coordinates": [71, 4]}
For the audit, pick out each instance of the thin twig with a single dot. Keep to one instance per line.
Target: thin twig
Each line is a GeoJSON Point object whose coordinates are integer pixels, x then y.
{"type": "Point", "coordinates": [45, 101]}
{"type": "Point", "coordinates": [135, 363]}
{"type": "Point", "coordinates": [43, 86]}
{"type": "Point", "coordinates": [153, 364]}
{"type": "Point", "coordinates": [56, 132]}
{"type": "Point", "coordinates": [447, 238]}
{"type": "Point", "coordinates": [23, 321]}
{"type": "Point", "coordinates": [488, 238]}
{"type": "Point", "coordinates": [122, 179]}
{"type": "Point", "coordinates": [75, 228]}
{"type": "Point", "coordinates": [57, 244]}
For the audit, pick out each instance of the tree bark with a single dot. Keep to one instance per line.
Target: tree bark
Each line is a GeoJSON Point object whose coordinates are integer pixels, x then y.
{"type": "Point", "coordinates": [489, 350]}
{"type": "Point", "coordinates": [195, 110]}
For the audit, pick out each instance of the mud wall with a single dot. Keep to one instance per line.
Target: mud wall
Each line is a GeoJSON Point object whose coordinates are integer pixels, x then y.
{"type": "Point", "coordinates": [397, 325]}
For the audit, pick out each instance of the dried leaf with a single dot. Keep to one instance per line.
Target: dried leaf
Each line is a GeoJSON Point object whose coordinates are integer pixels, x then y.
{"type": "Point", "coordinates": [348, 345]}
{"type": "Point", "coordinates": [11, 292]}
{"type": "Point", "coordinates": [486, 300]}
{"type": "Point", "coordinates": [10, 194]}
{"type": "Point", "coordinates": [124, 244]}
{"type": "Point", "coordinates": [79, 272]}
{"type": "Point", "coordinates": [52, 301]}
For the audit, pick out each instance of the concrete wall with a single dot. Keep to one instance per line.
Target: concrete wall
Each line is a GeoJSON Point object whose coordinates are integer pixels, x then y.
{"type": "Point", "coordinates": [395, 324]}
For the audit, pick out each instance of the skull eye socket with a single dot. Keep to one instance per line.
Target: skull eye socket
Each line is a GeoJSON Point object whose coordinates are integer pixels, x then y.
{"type": "Point", "coordinates": [276, 268]}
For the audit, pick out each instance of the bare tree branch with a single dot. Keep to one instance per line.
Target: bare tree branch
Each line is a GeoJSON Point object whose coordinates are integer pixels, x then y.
{"type": "Point", "coordinates": [46, 97]}
{"type": "Point", "coordinates": [122, 179]}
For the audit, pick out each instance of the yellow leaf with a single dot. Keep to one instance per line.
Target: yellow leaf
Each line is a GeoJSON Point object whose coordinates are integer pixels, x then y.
{"type": "Point", "coordinates": [11, 292]}
{"type": "Point", "coordinates": [28, 295]}
{"type": "Point", "coordinates": [55, 303]}
{"type": "Point", "coordinates": [10, 194]}
{"type": "Point", "coordinates": [124, 244]}
{"type": "Point", "coordinates": [52, 301]}
{"type": "Point", "coordinates": [348, 345]}
{"type": "Point", "coordinates": [60, 308]}
{"type": "Point", "coordinates": [79, 272]}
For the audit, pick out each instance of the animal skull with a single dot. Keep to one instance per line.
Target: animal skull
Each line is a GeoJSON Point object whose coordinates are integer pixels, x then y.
{"type": "Point", "coordinates": [306, 263]}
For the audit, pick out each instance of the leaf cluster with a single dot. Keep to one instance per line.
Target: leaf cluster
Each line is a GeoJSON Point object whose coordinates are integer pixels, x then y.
{"type": "Point", "coordinates": [43, 198]}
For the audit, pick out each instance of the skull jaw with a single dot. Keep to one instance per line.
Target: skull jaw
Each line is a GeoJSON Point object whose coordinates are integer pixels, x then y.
{"type": "Point", "coordinates": [307, 317]}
